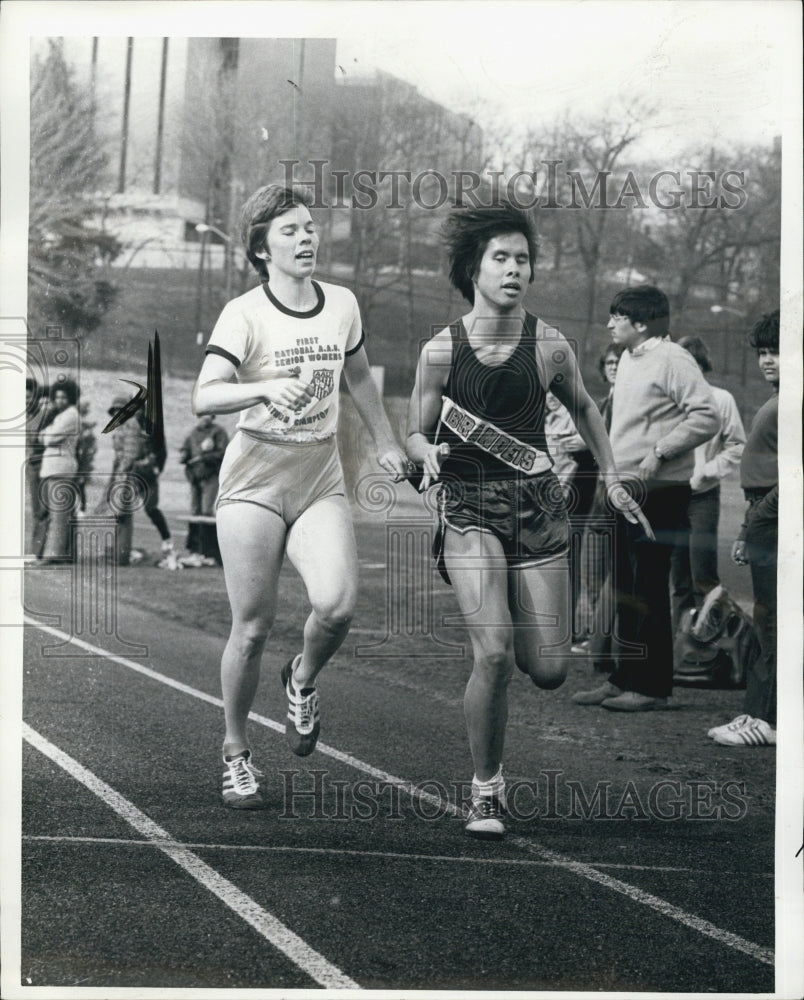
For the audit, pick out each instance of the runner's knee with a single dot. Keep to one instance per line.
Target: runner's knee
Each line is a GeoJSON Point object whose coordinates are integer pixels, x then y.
{"type": "Point", "coordinates": [495, 663]}
{"type": "Point", "coordinates": [547, 672]}
{"type": "Point", "coordinates": [249, 637]}
{"type": "Point", "coordinates": [336, 613]}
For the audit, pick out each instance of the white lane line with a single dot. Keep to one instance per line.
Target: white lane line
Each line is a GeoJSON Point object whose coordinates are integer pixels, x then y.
{"type": "Point", "coordinates": [267, 925]}
{"type": "Point", "coordinates": [662, 906]}
{"type": "Point", "coordinates": [586, 871]}
{"type": "Point", "coordinates": [390, 855]}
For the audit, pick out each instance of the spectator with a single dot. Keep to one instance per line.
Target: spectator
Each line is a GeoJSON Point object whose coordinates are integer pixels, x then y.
{"type": "Point", "coordinates": [201, 455]}
{"type": "Point", "coordinates": [38, 414]}
{"type": "Point", "coordinates": [85, 453]}
{"type": "Point", "coordinates": [757, 546]}
{"type": "Point", "coordinates": [693, 566]}
{"type": "Point", "coordinates": [58, 488]}
{"type": "Point", "coordinates": [596, 611]}
{"type": "Point", "coordinates": [575, 468]}
{"type": "Point", "coordinates": [662, 410]}
{"type": "Point", "coordinates": [138, 464]}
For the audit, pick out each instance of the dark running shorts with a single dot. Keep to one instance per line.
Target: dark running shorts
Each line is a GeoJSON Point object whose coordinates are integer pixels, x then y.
{"type": "Point", "coordinates": [528, 516]}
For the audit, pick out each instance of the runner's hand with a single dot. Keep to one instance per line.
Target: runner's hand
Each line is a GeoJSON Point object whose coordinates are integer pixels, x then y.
{"type": "Point", "coordinates": [285, 388]}
{"type": "Point", "coordinates": [432, 464]}
{"type": "Point", "coordinates": [622, 501]}
{"type": "Point", "coordinates": [395, 462]}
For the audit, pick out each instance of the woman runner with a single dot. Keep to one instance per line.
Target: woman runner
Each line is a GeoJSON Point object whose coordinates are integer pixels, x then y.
{"type": "Point", "coordinates": [276, 356]}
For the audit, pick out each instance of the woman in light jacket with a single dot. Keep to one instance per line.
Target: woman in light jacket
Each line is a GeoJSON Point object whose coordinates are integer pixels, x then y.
{"type": "Point", "coordinates": [58, 487]}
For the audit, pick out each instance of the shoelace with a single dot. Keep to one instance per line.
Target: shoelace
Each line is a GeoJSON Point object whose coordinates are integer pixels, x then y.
{"type": "Point", "coordinates": [304, 708]}
{"type": "Point", "coordinates": [489, 808]}
{"type": "Point", "coordinates": [244, 776]}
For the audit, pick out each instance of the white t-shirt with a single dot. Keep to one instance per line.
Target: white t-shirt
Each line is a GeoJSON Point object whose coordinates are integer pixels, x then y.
{"type": "Point", "coordinates": [257, 332]}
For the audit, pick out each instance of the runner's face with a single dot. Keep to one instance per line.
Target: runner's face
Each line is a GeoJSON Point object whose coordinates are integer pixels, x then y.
{"type": "Point", "coordinates": [769, 364]}
{"type": "Point", "coordinates": [502, 278]}
{"type": "Point", "coordinates": [292, 243]}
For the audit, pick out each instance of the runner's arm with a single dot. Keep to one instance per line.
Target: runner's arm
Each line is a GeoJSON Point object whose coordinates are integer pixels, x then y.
{"type": "Point", "coordinates": [215, 390]}
{"type": "Point", "coordinates": [368, 402]}
{"type": "Point", "coordinates": [571, 391]}
{"type": "Point", "coordinates": [424, 408]}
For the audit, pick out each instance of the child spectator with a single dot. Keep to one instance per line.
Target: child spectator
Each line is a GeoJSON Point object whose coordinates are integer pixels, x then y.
{"type": "Point", "coordinates": [693, 566]}
{"type": "Point", "coordinates": [757, 547]}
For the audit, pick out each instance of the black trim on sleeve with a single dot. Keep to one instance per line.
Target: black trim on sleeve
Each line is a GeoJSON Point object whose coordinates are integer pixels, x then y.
{"type": "Point", "coordinates": [359, 344]}
{"type": "Point", "coordinates": [319, 291]}
{"type": "Point", "coordinates": [221, 352]}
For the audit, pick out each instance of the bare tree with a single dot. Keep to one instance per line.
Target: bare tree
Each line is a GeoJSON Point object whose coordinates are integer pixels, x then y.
{"type": "Point", "coordinates": [68, 254]}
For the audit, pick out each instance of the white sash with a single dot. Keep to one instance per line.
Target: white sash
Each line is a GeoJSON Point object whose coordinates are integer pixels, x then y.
{"type": "Point", "coordinates": [484, 435]}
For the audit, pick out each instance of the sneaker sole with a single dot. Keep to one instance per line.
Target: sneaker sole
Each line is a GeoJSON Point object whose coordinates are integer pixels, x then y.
{"type": "Point", "coordinates": [247, 803]}
{"type": "Point", "coordinates": [481, 833]}
{"type": "Point", "coordinates": [301, 744]}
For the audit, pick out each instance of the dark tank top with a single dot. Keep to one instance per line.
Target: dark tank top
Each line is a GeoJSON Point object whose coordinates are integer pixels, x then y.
{"type": "Point", "coordinates": [508, 397]}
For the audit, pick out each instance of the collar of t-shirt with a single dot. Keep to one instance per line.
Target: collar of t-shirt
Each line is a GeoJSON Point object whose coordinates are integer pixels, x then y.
{"type": "Point", "coordinates": [646, 345]}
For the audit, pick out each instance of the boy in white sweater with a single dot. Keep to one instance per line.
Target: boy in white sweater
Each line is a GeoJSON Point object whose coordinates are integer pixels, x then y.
{"type": "Point", "coordinates": [662, 409]}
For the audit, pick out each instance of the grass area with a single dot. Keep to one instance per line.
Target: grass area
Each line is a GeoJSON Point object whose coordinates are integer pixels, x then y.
{"type": "Point", "coordinates": [169, 301]}
{"type": "Point", "coordinates": [99, 387]}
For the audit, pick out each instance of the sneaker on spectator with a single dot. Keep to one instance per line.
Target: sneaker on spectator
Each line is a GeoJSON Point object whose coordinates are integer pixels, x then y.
{"type": "Point", "coordinates": [241, 790]}
{"type": "Point", "coordinates": [597, 695]}
{"type": "Point", "coordinates": [193, 560]}
{"type": "Point", "coordinates": [303, 723]}
{"type": "Point", "coordinates": [729, 727]}
{"type": "Point", "coordinates": [755, 733]}
{"type": "Point", "coordinates": [169, 560]}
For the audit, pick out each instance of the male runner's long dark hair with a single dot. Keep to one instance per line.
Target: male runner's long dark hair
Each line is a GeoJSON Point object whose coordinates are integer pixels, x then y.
{"type": "Point", "coordinates": [467, 232]}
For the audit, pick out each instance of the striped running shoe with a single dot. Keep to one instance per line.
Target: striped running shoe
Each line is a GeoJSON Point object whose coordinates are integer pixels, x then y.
{"type": "Point", "coordinates": [241, 790]}
{"type": "Point", "coordinates": [485, 820]}
{"type": "Point", "coordinates": [730, 727]}
{"type": "Point", "coordinates": [755, 733]}
{"type": "Point", "coordinates": [303, 722]}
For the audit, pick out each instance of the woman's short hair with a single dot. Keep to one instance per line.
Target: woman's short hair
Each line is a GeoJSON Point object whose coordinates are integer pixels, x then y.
{"type": "Point", "coordinates": [68, 387]}
{"type": "Point", "coordinates": [467, 232]}
{"type": "Point", "coordinates": [259, 211]}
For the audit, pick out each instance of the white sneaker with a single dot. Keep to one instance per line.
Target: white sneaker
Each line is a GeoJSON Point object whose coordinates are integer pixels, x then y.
{"type": "Point", "coordinates": [303, 722]}
{"type": "Point", "coordinates": [730, 727]}
{"type": "Point", "coordinates": [194, 560]}
{"type": "Point", "coordinates": [485, 820]}
{"type": "Point", "coordinates": [169, 560]}
{"type": "Point", "coordinates": [755, 733]}
{"type": "Point", "coordinates": [241, 790]}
